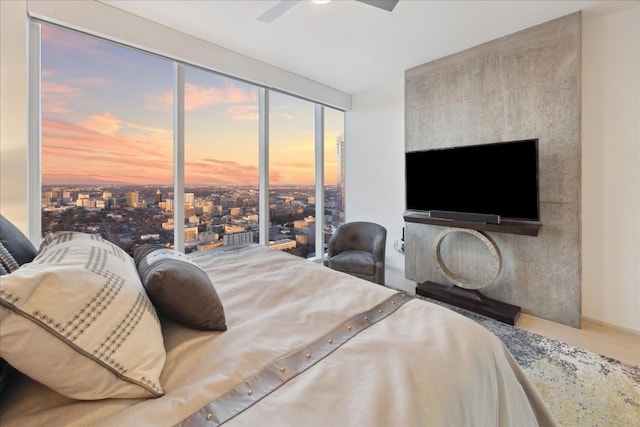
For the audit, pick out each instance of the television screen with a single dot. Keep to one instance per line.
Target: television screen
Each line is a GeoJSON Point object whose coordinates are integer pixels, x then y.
{"type": "Point", "coordinates": [495, 179]}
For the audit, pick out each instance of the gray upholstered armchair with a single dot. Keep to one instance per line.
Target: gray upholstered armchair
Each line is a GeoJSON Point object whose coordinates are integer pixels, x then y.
{"type": "Point", "coordinates": [358, 248]}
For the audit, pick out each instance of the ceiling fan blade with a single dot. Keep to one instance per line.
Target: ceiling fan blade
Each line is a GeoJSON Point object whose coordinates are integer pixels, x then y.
{"type": "Point", "coordinates": [276, 10]}
{"type": "Point", "coordinates": [387, 5]}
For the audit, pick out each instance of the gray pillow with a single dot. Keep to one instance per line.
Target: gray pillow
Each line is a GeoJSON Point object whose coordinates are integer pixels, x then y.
{"type": "Point", "coordinates": [179, 288]}
{"type": "Point", "coordinates": [15, 242]}
{"type": "Point", "coordinates": [5, 371]}
{"type": "Point", "coordinates": [15, 249]}
{"type": "Point", "coordinates": [5, 368]}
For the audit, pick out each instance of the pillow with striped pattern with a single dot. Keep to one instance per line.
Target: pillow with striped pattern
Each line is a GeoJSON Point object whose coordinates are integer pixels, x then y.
{"type": "Point", "coordinates": [78, 320]}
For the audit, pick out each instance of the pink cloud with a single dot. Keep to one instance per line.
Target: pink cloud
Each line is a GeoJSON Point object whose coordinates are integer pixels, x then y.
{"type": "Point", "coordinates": [56, 99]}
{"type": "Point", "coordinates": [279, 112]}
{"type": "Point", "coordinates": [103, 123]}
{"type": "Point", "coordinates": [285, 116]}
{"type": "Point", "coordinates": [106, 149]}
{"type": "Point", "coordinates": [93, 81]}
{"type": "Point", "coordinates": [276, 177]}
{"type": "Point", "coordinates": [215, 171]}
{"type": "Point", "coordinates": [243, 112]}
{"type": "Point", "coordinates": [89, 156]}
{"type": "Point", "coordinates": [107, 124]}
{"type": "Point", "coordinates": [291, 172]}
{"type": "Point", "coordinates": [198, 97]}
{"type": "Point", "coordinates": [294, 165]}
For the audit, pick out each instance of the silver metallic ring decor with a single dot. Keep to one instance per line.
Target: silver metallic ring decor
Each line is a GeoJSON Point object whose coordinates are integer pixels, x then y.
{"type": "Point", "coordinates": [459, 281]}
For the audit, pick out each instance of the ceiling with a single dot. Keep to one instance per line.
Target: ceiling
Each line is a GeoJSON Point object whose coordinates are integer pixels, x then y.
{"type": "Point", "coordinates": [349, 45]}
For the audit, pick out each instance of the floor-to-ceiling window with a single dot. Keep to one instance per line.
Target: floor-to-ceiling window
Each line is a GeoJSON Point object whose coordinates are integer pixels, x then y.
{"type": "Point", "coordinates": [107, 150]}
{"type": "Point", "coordinates": [292, 174]}
{"type": "Point", "coordinates": [108, 141]}
{"type": "Point", "coordinates": [221, 161]}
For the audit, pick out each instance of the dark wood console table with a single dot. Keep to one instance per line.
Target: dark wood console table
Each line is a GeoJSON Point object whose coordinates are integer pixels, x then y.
{"type": "Point", "coordinates": [526, 228]}
{"type": "Point", "coordinates": [471, 299]}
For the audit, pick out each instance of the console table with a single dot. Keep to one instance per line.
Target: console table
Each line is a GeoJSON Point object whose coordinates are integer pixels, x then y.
{"type": "Point", "coordinates": [527, 228]}
{"type": "Point", "coordinates": [463, 293]}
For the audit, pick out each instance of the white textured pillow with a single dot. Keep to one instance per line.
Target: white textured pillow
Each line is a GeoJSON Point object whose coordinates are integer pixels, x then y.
{"type": "Point", "coordinates": [77, 319]}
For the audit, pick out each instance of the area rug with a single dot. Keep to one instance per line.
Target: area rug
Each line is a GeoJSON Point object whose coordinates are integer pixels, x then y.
{"type": "Point", "coordinates": [581, 388]}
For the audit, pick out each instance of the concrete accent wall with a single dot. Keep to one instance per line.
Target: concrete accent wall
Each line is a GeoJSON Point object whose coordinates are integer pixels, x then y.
{"type": "Point", "coordinates": [525, 85]}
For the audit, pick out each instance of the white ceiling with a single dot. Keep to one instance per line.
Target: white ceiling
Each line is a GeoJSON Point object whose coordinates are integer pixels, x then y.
{"type": "Point", "coordinates": [348, 45]}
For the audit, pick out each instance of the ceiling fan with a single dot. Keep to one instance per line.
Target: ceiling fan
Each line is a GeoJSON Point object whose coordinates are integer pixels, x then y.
{"type": "Point", "coordinates": [283, 5]}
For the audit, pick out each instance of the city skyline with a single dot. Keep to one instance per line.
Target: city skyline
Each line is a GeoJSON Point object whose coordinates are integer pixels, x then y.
{"type": "Point", "coordinates": [131, 215]}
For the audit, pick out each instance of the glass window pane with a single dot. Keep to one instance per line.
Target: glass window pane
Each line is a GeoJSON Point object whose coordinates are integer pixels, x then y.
{"type": "Point", "coordinates": [333, 171]}
{"type": "Point", "coordinates": [221, 161]}
{"type": "Point", "coordinates": [292, 175]}
{"type": "Point", "coordinates": [107, 150]}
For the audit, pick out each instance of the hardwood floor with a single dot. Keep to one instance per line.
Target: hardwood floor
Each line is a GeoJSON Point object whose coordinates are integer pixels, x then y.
{"type": "Point", "coordinates": [614, 343]}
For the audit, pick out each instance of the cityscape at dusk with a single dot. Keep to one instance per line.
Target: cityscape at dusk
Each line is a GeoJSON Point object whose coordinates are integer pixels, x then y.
{"type": "Point", "coordinates": [131, 215]}
{"type": "Point", "coordinates": [108, 155]}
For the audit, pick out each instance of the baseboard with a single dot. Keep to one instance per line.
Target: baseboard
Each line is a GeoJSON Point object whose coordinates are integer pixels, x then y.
{"type": "Point", "coordinates": [611, 326]}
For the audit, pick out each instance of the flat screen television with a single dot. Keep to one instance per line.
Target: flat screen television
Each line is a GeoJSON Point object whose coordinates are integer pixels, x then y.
{"type": "Point", "coordinates": [489, 179]}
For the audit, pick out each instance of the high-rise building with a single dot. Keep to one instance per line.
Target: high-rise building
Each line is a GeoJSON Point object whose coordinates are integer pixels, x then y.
{"type": "Point", "coordinates": [189, 200]}
{"type": "Point", "coordinates": [340, 167]}
{"type": "Point", "coordinates": [167, 205]}
{"type": "Point", "coordinates": [132, 199]}
{"type": "Point", "coordinates": [158, 196]}
{"type": "Point", "coordinates": [238, 238]}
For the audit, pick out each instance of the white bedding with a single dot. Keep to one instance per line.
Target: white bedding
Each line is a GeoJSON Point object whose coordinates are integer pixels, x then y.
{"type": "Point", "coordinates": [421, 365]}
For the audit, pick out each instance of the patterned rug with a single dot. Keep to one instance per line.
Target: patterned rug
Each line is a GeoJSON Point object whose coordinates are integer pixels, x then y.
{"type": "Point", "coordinates": [581, 388]}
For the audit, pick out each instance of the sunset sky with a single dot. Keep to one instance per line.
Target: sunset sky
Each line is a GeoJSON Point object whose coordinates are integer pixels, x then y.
{"type": "Point", "coordinates": [107, 119]}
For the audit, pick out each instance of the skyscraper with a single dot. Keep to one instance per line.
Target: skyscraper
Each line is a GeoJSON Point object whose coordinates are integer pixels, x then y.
{"type": "Point", "coordinates": [340, 168]}
{"type": "Point", "coordinates": [132, 199]}
{"type": "Point", "coordinates": [189, 200]}
{"type": "Point", "coordinates": [158, 196]}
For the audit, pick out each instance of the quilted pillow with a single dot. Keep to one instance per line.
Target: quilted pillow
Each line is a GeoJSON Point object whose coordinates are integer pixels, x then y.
{"type": "Point", "coordinates": [77, 319]}
{"type": "Point", "coordinates": [15, 249]}
{"type": "Point", "coordinates": [179, 288]}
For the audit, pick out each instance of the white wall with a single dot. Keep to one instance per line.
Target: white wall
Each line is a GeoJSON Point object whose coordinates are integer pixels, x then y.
{"type": "Point", "coordinates": [13, 112]}
{"type": "Point", "coordinates": [611, 168]}
{"type": "Point", "coordinates": [374, 156]}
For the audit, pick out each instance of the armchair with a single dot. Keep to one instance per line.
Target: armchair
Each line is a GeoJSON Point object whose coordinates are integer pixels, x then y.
{"type": "Point", "coordinates": [358, 248]}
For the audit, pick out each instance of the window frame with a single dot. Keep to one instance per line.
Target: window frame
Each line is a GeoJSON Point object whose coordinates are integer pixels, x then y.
{"type": "Point", "coordinates": [34, 196]}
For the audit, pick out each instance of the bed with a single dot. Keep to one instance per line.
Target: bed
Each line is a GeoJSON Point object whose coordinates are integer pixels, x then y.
{"type": "Point", "coordinates": [289, 342]}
